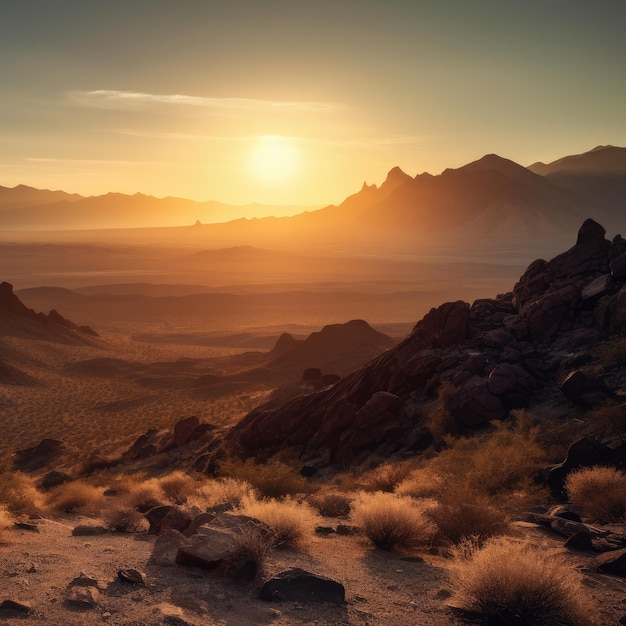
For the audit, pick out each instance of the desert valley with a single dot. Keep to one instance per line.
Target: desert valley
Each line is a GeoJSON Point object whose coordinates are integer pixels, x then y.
{"type": "Point", "coordinates": [355, 391]}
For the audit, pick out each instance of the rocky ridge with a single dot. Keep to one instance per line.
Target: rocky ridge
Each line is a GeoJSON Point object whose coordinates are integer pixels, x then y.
{"type": "Point", "coordinates": [496, 354]}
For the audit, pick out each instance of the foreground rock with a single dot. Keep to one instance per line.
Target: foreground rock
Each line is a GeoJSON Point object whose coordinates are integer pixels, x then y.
{"type": "Point", "coordinates": [298, 585]}
{"type": "Point", "coordinates": [495, 355]}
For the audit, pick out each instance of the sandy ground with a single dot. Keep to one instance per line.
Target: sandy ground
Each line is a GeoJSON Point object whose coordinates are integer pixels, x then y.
{"type": "Point", "coordinates": [381, 588]}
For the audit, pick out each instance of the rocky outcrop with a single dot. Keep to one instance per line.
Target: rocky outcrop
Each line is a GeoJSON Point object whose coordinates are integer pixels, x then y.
{"type": "Point", "coordinates": [17, 319]}
{"type": "Point", "coordinates": [495, 355]}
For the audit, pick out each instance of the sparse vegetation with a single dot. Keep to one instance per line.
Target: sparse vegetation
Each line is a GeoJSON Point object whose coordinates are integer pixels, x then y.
{"type": "Point", "coordinates": [609, 420]}
{"type": "Point", "coordinates": [272, 479]}
{"type": "Point", "coordinates": [422, 483]}
{"type": "Point", "coordinates": [75, 497]}
{"type": "Point", "coordinates": [464, 515]}
{"type": "Point", "coordinates": [6, 522]}
{"type": "Point", "coordinates": [387, 477]}
{"type": "Point", "coordinates": [248, 555]}
{"type": "Point", "coordinates": [440, 420]}
{"type": "Point", "coordinates": [391, 522]}
{"type": "Point", "coordinates": [18, 493]}
{"type": "Point", "coordinates": [293, 522]}
{"type": "Point", "coordinates": [145, 495]}
{"type": "Point", "coordinates": [600, 492]}
{"type": "Point", "coordinates": [123, 518]}
{"type": "Point", "coordinates": [178, 486]}
{"type": "Point", "coordinates": [514, 584]}
{"type": "Point", "coordinates": [217, 491]}
{"type": "Point", "coordinates": [331, 503]}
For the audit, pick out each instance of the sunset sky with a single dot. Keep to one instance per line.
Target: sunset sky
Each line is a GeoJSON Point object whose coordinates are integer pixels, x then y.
{"type": "Point", "coordinates": [293, 102]}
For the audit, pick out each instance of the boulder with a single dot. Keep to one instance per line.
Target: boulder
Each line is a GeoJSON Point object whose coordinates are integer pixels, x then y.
{"type": "Point", "coordinates": [166, 517]}
{"type": "Point", "coordinates": [166, 548]}
{"type": "Point", "coordinates": [183, 430]}
{"type": "Point", "coordinates": [298, 585]}
{"type": "Point", "coordinates": [613, 563]}
{"type": "Point", "coordinates": [512, 383]}
{"type": "Point", "coordinates": [444, 326]}
{"type": "Point", "coordinates": [585, 390]}
{"type": "Point", "coordinates": [597, 288]}
{"type": "Point", "coordinates": [618, 267]}
{"type": "Point", "coordinates": [474, 405]}
{"type": "Point", "coordinates": [37, 457]}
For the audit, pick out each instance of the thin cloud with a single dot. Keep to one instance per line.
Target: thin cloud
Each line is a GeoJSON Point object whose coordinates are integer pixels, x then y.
{"type": "Point", "coordinates": [109, 99]}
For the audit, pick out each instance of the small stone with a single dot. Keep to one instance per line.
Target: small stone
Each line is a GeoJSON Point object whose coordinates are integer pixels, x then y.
{"type": "Point", "coordinates": [132, 576]}
{"type": "Point", "coordinates": [25, 526]}
{"type": "Point", "coordinates": [83, 597]}
{"type": "Point", "coordinates": [32, 569]}
{"type": "Point", "coordinates": [89, 531]}
{"type": "Point", "coordinates": [84, 580]}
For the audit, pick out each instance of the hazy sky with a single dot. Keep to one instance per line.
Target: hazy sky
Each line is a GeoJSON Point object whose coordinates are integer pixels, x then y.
{"type": "Point", "coordinates": [298, 102]}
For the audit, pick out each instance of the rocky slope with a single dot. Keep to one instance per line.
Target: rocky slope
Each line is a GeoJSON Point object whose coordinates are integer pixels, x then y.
{"type": "Point", "coordinates": [497, 354]}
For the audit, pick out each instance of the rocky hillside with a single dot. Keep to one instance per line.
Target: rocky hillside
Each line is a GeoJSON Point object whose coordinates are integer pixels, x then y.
{"type": "Point", "coordinates": [496, 355]}
{"type": "Point", "coordinates": [16, 319]}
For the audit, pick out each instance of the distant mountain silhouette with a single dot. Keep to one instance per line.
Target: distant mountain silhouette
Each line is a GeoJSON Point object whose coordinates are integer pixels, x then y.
{"type": "Point", "coordinates": [16, 319]}
{"type": "Point", "coordinates": [24, 207]}
{"type": "Point", "coordinates": [597, 176]}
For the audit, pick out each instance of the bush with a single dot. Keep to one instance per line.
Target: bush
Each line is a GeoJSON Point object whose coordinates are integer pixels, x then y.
{"type": "Point", "coordinates": [75, 497]}
{"type": "Point", "coordinates": [217, 491]}
{"type": "Point", "coordinates": [331, 504]}
{"type": "Point", "coordinates": [390, 521]}
{"type": "Point", "coordinates": [421, 483]}
{"type": "Point", "coordinates": [508, 583]}
{"type": "Point", "coordinates": [177, 487]}
{"type": "Point", "coordinates": [599, 492]}
{"type": "Point", "coordinates": [501, 462]}
{"type": "Point", "coordinates": [387, 477]}
{"type": "Point", "coordinates": [145, 496]}
{"type": "Point", "coordinates": [126, 519]}
{"type": "Point", "coordinates": [6, 522]}
{"type": "Point", "coordinates": [18, 493]}
{"type": "Point", "coordinates": [464, 515]}
{"type": "Point", "coordinates": [292, 522]}
{"type": "Point", "coordinates": [273, 479]}
{"type": "Point", "coordinates": [609, 420]}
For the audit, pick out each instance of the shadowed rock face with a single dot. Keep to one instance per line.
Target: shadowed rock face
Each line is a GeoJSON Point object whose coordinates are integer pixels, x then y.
{"type": "Point", "coordinates": [496, 354]}
{"type": "Point", "coordinates": [18, 319]}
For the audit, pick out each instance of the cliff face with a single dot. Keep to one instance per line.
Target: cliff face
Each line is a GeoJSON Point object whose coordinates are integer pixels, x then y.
{"type": "Point", "coordinates": [497, 354]}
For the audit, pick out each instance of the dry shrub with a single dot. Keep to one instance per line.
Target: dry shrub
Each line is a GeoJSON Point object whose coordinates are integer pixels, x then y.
{"type": "Point", "coordinates": [462, 515]}
{"type": "Point", "coordinates": [272, 479]}
{"type": "Point", "coordinates": [214, 492]}
{"type": "Point", "coordinates": [145, 496]}
{"type": "Point", "coordinates": [421, 483]}
{"type": "Point", "coordinates": [514, 584]}
{"type": "Point", "coordinates": [600, 492]}
{"type": "Point", "coordinates": [387, 477]}
{"type": "Point", "coordinates": [502, 461]}
{"type": "Point", "coordinates": [75, 497]}
{"type": "Point", "coordinates": [178, 487]}
{"type": "Point", "coordinates": [18, 493]}
{"type": "Point", "coordinates": [126, 519]}
{"type": "Point", "coordinates": [440, 421]}
{"type": "Point", "coordinates": [248, 554]}
{"type": "Point", "coordinates": [331, 503]}
{"type": "Point", "coordinates": [6, 522]}
{"type": "Point", "coordinates": [292, 522]}
{"type": "Point", "coordinates": [390, 521]}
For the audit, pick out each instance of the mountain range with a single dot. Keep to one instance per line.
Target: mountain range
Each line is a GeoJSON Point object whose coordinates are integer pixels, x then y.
{"type": "Point", "coordinates": [492, 198]}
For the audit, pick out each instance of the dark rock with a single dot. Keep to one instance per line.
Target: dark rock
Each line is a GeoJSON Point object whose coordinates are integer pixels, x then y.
{"type": "Point", "coordinates": [580, 541]}
{"type": "Point", "coordinates": [131, 576]}
{"type": "Point", "coordinates": [8, 607]}
{"type": "Point", "coordinates": [298, 585]}
{"type": "Point", "coordinates": [474, 405]}
{"type": "Point", "coordinates": [617, 312]}
{"type": "Point", "coordinates": [596, 288]}
{"type": "Point", "coordinates": [567, 528]}
{"type": "Point", "coordinates": [585, 390]}
{"type": "Point", "coordinates": [344, 529]}
{"type": "Point", "coordinates": [166, 517]}
{"type": "Point", "coordinates": [324, 530]}
{"type": "Point", "coordinates": [618, 267]}
{"type": "Point", "coordinates": [585, 453]}
{"type": "Point", "coordinates": [512, 383]}
{"type": "Point", "coordinates": [545, 314]}
{"type": "Point", "coordinates": [565, 511]}
{"type": "Point", "coordinates": [46, 451]}
{"type": "Point", "coordinates": [26, 526]}
{"type": "Point", "coordinates": [84, 580]}
{"type": "Point", "coordinates": [53, 479]}
{"type": "Point", "coordinates": [199, 520]}
{"type": "Point", "coordinates": [444, 326]}
{"type": "Point", "coordinates": [84, 598]}
{"type": "Point", "coordinates": [613, 563]}
{"type": "Point", "coordinates": [166, 548]}
{"type": "Point", "coordinates": [497, 338]}
{"type": "Point", "coordinates": [184, 429]}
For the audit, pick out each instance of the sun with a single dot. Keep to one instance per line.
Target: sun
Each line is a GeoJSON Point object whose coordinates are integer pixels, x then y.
{"type": "Point", "coordinates": [274, 159]}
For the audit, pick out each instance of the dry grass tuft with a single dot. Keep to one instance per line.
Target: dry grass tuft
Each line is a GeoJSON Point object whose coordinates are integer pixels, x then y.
{"type": "Point", "coordinates": [331, 503]}
{"type": "Point", "coordinates": [248, 555]}
{"type": "Point", "coordinates": [608, 420]}
{"type": "Point", "coordinates": [218, 491]}
{"type": "Point", "coordinates": [391, 522]}
{"type": "Point", "coordinates": [421, 483]}
{"type": "Point", "coordinates": [178, 487]}
{"type": "Point", "coordinates": [145, 495]}
{"type": "Point", "coordinates": [292, 522]}
{"type": "Point", "coordinates": [273, 479]}
{"type": "Point", "coordinates": [512, 584]}
{"type": "Point", "coordinates": [6, 521]}
{"type": "Point", "coordinates": [600, 492]}
{"type": "Point", "coordinates": [18, 493]}
{"type": "Point", "coordinates": [75, 497]}
{"type": "Point", "coordinates": [462, 515]}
